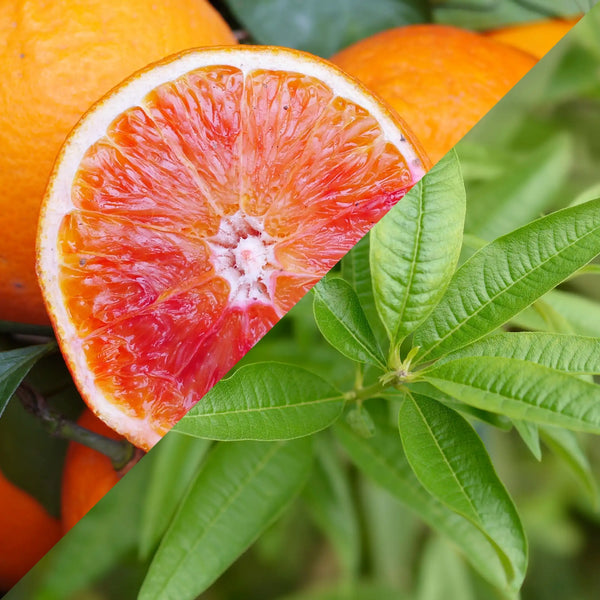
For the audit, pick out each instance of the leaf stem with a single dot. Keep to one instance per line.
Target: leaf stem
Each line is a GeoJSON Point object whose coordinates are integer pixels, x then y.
{"type": "Point", "coordinates": [120, 452]}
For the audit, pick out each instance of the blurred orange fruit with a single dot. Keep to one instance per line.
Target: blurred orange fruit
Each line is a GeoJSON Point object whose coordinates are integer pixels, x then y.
{"type": "Point", "coordinates": [441, 80]}
{"type": "Point", "coordinates": [194, 206]}
{"type": "Point", "coordinates": [57, 58]}
{"type": "Point", "coordinates": [88, 474]}
{"type": "Point", "coordinates": [537, 37]}
{"type": "Point", "coordinates": [27, 532]}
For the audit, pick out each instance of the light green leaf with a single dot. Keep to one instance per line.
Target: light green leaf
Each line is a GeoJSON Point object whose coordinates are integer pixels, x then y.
{"type": "Point", "coordinates": [381, 458]}
{"type": "Point", "coordinates": [569, 353]}
{"type": "Point", "coordinates": [565, 445]}
{"type": "Point", "coordinates": [530, 434]}
{"type": "Point", "coordinates": [415, 249]}
{"type": "Point", "coordinates": [329, 498]}
{"type": "Point", "coordinates": [521, 390]}
{"type": "Point", "coordinates": [343, 323]}
{"type": "Point", "coordinates": [451, 462]}
{"type": "Point", "coordinates": [443, 574]}
{"type": "Point", "coordinates": [509, 274]}
{"type": "Point", "coordinates": [177, 458]}
{"type": "Point", "coordinates": [241, 490]}
{"type": "Point", "coordinates": [264, 401]}
{"type": "Point", "coordinates": [14, 366]}
{"type": "Point", "coordinates": [521, 194]}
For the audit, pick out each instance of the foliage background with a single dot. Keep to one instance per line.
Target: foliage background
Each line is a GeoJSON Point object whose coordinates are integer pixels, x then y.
{"type": "Point", "coordinates": [536, 151]}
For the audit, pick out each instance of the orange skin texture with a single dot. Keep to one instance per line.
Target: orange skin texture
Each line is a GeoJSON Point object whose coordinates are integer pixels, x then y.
{"type": "Point", "coordinates": [58, 58]}
{"type": "Point", "coordinates": [537, 38]}
{"type": "Point", "coordinates": [88, 474]}
{"type": "Point", "coordinates": [440, 79]}
{"type": "Point", "coordinates": [27, 532]}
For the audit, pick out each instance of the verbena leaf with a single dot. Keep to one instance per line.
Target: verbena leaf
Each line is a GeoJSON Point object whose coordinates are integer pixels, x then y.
{"type": "Point", "coordinates": [426, 389]}
{"type": "Point", "coordinates": [565, 445]}
{"type": "Point", "coordinates": [521, 390]}
{"type": "Point", "coordinates": [569, 353]}
{"type": "Point", "coordinates": [530, 434]}
{"type": "Point", "coordinates": [264, 401]}
{"type": "Point", "coordinates": [521, 194]}
{"type": "Point", "coordinates": [343, 323]}
{"type": "Point", "coordinates": [415, 248]}
{"type": "Point", "coordinates": [329, 498]}
{"type": "Point", "coordinates": [382, 458]}
{"type": "Point", "coordinates": [323, 27]}
{"type": "Point", "coordinates": [14, 366]}
{"type": "Point", "coordinates": [177, 458]}
{"type": "Point", "coordinates": [507, 275]}
{"type": "Point", "coordinates": [99, 542]}
{"type": "Point", "coordinates": [241, 490]}
{"type": "Point", "coordinates": [451, 462]}
{"type": "Point", "coordinates": [356, 270]}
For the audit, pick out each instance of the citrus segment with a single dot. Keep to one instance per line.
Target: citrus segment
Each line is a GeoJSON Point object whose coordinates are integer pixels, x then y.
{"type": "Point", "coordinates": [194, 207]}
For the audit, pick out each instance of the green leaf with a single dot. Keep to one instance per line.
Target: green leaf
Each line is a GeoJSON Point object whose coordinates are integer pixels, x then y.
{"type": "Point", "coordinates": [565, 445]}
{"type": "Point", "coordinates": [521, 390]}
{"type": "Point", "coordinates": [530, 434]}
{"type": "Point", "coordinates": [381, 458]}
{"type": "Point", "coordinates": [415, 249]}
{"type": "Point", "coordinates": [569, 353]}
{"type": "Point", "coordinates": [98, 543]}
{"type": "Point", "coordinates": [14, 366]}
{"type": "Point", "coordinates": [356, 270]}
{"type": "Point", "coordinates": [358, 591]}
{"type": "Point", "coordinates": [323, 27]}
{"type": "Point", "coordinates": [264, 401]}
{"type": "Point", "coordinates": [521, 194]}
{"type": "Point", "coordinates": [451, 462]}
{"type": "Point", "coordinates": [329, 498]}
{"type": "Point", "coordinates": [343, 323]}
{"type": "Point", "coordinates": [509, 274]}
{"type": "Point", "coordinates": [177, 458]}
{"type": "Point", "coordinates": [443, 574]}
{"type": "Point", "coordinates": [242, 489]}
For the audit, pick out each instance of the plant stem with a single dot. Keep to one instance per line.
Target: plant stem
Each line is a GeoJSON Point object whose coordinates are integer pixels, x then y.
{"type": "Point", "coordinates": [120, 452]}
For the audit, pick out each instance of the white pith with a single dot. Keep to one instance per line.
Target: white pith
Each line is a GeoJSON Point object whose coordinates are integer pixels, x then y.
{"type": "Point", "coordinates": [243, 254]}
{"type": "Point", "coordinates": [247, 264]}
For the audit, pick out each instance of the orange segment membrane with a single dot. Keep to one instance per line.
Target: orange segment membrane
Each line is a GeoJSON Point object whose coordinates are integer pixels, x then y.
{"type": "Point", "coordinates": [205, 214]}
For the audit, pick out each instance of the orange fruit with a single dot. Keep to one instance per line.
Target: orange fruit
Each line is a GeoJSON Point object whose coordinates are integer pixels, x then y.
{"type": "Point", "coordinates": [57, 58]}
{"type": "Point", "coordinates": [27, 532]}
{"type": "Point", "coordinates": [194, 206]}
{"type": "Point", "coordinates": [440, 79]}
{"type": "Point", "coordinates": [538, 37]}
{"type": "Point", "coordinates": [87, 476]}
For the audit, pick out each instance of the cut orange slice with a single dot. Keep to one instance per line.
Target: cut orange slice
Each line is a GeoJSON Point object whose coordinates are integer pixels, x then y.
{"type": "Point", "coordinates": [193, 206]}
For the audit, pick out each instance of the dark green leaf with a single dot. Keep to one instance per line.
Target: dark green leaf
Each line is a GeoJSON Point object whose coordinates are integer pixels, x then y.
{"type": "Point", "coordinates": [521, 390]}
{"type": "Point", "coordinates": [241, 490]}
{"type": "Point", "coordinates": [415, 248]}
{"type": "Point", "coordinates": [323, 27]}
{"type": "Point", "coordinates": [451, 462]}
{"type": "Point", "coordinates": [530, 434]}
{"type": "Point", "coordinates": [264, 401]}
{"type": "Point", "coordinates": [381, 458]}
{"type": "Point", "coordinates": [14, 366]}
{"type": "Point", "coordinates": [343, 323]}
{"type": "Point", "coordinates": [509, 274]}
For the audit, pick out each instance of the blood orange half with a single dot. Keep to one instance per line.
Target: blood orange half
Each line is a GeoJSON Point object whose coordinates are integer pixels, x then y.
{"type": "Point", "coordinates": [193, 206]}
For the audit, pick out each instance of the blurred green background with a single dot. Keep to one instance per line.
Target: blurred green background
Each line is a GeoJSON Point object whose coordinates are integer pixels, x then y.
{"type": "Point", "coordinates": [538, 150]}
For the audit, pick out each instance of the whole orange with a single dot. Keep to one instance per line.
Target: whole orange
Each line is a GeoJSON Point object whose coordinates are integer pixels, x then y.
{"type": "Point", "coordinates": [537, 37]}
{"type": "Point", "coordinates": [57, 58]}
{"type": "Point", "coordinates": [440, 79]}
{"type": "Point", "coordinates": [27, 532]}
{"type": "Point", "coordinates": [88, 474]}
